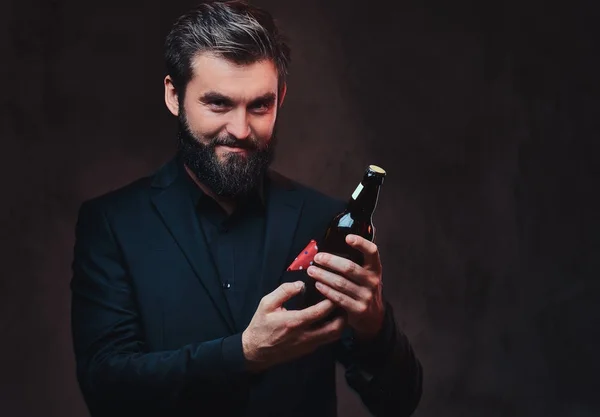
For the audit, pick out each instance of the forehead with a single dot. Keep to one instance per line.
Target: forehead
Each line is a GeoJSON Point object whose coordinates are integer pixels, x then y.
{"type": "Point", "coordinates": [214, 73]}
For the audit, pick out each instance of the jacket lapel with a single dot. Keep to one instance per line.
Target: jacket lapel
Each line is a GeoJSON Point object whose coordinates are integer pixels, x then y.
{"type": "Point", "coordinates": [283, 212]}
{"type": "Point", "coordinates": [172, 201]}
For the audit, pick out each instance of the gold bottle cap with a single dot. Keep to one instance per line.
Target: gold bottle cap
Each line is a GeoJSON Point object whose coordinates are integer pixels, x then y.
{"type": "Point", "coordinates": [377, 169]}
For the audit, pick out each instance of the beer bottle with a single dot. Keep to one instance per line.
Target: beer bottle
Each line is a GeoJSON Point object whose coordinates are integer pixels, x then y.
{"type": "Point", "coordinates": [356, 219]}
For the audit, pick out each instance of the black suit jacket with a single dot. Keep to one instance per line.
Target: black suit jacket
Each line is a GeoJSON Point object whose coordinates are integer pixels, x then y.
{"type": "Point", "coordinates": [154, 336]}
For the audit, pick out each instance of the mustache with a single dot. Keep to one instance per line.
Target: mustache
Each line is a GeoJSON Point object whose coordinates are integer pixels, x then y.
{"type": "Point", "coordinates": [249, 144]}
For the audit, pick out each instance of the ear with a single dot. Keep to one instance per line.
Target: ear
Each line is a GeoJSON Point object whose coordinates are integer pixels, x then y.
{"type": "Point", "coordinates": [282, 94]}
{"type": "Point", "coordinates": [171, 97]}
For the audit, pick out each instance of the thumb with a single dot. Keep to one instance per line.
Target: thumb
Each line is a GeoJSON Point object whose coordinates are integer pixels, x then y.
{"type": "Point", "coordinates": [281, 294]}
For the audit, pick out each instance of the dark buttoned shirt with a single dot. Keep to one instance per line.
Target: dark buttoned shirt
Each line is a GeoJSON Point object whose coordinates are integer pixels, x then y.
{"type": "Point", "coordinates": [236, 244]}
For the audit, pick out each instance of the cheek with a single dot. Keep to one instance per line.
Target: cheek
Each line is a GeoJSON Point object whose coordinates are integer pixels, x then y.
{"type": "Point", "coordinates": [263, 126]}
{"type": "Point", "coordinates": [203, 122]}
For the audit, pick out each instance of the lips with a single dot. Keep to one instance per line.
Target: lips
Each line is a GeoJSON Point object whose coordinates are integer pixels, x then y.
{"type": "Point", "coordinates": [234, 148]}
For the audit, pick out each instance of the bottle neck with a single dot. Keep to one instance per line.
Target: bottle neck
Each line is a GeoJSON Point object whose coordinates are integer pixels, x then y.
{"type": "Point", "coordinates": [364, 199]}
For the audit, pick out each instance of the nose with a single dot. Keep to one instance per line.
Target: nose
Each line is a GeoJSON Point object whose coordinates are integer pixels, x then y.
{"type": "Point", "coordinates": [238, 125]}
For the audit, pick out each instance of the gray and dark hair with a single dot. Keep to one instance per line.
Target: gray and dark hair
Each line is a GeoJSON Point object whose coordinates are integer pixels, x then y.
{"type": "Point", "coordinates": [234, 30]}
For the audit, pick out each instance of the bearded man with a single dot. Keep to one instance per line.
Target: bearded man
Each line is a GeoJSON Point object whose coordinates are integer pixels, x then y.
{"type": "Point", "coordinates": [181, 302]}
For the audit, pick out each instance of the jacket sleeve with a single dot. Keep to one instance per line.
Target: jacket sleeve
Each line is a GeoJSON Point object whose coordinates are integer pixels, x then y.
{"type": "Point", "coordinates": [113, 363]}
{"type": "Point", "coordinates": [385, 371]}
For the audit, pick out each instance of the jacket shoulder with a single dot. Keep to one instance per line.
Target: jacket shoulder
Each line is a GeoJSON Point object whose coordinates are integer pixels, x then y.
{"type": "Point", "coordinates": [125, 198]}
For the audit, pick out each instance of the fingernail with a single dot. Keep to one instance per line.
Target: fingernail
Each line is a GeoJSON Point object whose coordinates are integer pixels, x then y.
{"type": "Point", "coordinates": [299, 284]}
{"type": "Point", "coordinates": [318, 257]}
{"type": "Point", "coordinates": [351, 239]}
{"type": "Point", "coordinates": [318, 285]}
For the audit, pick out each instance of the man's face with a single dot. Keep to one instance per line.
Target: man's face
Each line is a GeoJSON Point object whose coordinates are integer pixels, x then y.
{"type": "Point", "coordinates": [227, 123]}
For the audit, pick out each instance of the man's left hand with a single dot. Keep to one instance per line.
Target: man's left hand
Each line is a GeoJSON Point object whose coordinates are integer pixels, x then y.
{"type": "Point", "coordinates": [357, 289]}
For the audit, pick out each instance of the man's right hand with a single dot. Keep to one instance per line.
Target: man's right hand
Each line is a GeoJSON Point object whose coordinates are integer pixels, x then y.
{"type": "Point", "coordinates": [277, 335]}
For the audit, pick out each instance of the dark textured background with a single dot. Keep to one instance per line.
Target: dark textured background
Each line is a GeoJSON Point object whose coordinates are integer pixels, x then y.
{"type": "Point", "coordinates": [484, 115]}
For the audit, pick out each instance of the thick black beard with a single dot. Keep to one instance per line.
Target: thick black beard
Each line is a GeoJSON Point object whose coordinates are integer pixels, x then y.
{"type": "Point", "coordinates": [238, 176]}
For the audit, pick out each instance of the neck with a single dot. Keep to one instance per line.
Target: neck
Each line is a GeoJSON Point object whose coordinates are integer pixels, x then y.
{"type": "Point", "coordinates": [228, 204]}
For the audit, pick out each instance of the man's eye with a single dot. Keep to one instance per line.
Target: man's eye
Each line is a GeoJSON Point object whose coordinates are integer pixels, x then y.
{"type": "Point", "coordinates": [219, 106]}
{"type": "Point", "coordinates": [260, 107]}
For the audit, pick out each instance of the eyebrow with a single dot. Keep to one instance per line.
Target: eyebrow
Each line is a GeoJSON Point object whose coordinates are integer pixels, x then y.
{"type": "Point", "coordinates": [211, 96]}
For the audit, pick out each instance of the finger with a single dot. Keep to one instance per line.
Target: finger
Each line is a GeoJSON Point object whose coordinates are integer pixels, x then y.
{"type": "Point", "coordinates": [281, 294]}
{"type": "Point", "coordinates": [338, 282]}
{"type": "Point", "coordinates": [369, 250]}
{"type": "Point", "coordinates": [351, 305]}
{"type": "Point", "coordinates": [328, 332]}
{"type": "Point", "coordinates": [344, 267]}
{"type": "Point", "coordinates": [311, 314]}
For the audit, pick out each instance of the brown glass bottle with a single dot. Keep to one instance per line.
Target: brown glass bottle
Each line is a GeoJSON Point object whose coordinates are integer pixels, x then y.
{"type": "Point", "coordinates": [356, 219]}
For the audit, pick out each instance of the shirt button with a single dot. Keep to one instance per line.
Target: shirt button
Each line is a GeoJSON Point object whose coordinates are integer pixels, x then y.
{"type": "Point", "coordinates": [226, 285]}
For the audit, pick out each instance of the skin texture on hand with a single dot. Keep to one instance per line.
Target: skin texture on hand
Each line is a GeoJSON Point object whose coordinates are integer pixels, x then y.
{"type": "Point", "coordinates": [277, 335]}
{"type": "Point", "coordinates": [357, 289]}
